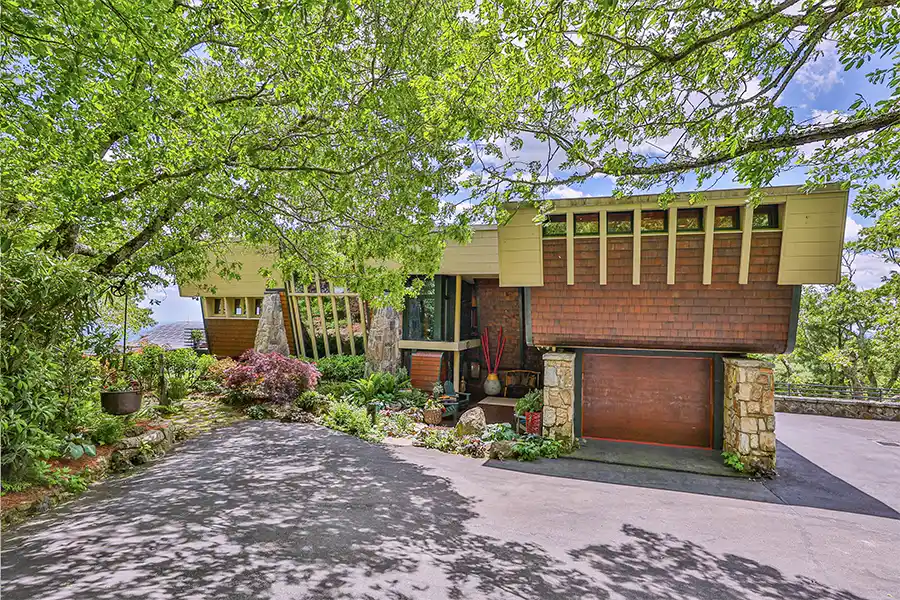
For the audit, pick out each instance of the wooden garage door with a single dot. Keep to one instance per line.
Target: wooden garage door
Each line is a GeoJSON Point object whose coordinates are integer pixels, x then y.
{"type": "Point", "coordinates": [659, 399]}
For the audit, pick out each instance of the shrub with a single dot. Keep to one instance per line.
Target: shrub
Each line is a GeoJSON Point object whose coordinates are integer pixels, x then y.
{"type": "Point", "coordinates": [278, 378]}
{"type": "Point", "coordinates": [533, 447]}
{"type": "Point", "coordinates": [342, 368]}
{"type": "Point", "coordinates": [379, 387]}
{"type": "Point", "coordinates": [411, 398]}
{"type": "Point", "coordinates": [498, 432]}
{"type": "Point", "coordinates": [108, 429]}
{"type": "Point", "coordinates": [348, 418]}
{"type": "Point", "coordinates": [338, 389]}
{"type": "Point", "coordinates": [533, 401]}
{"type": "Point", "coordinates": [177, 388]}
{"type": "Point", "coordinates": [218, 370]}
{"type": "Point", "coordinates": [312, 401]}
{"type": "Point", "coordinates": [259, 412]}
{"type": "Point", "coordinates": [446, 440]}
{"type": "Point", "coordinates": [396, 423]}
{"type": "Point", "coordinates": [143, 365]}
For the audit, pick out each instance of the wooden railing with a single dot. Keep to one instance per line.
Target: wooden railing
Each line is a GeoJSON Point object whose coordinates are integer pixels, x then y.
{"type": "Point", "coordinates": [840, 392]}
{"type": "Point", "coordinates": [307, 305]}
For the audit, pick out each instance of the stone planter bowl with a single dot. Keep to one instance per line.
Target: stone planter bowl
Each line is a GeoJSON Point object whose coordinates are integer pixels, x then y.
{"type": "Point", "coordinates": [121, 403]}
{"type": "Point", "coordinates": [433, 416]}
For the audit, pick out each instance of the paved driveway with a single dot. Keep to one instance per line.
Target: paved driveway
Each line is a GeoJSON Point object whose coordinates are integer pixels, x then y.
{"type": "Point", "coordinates": [271, 510]}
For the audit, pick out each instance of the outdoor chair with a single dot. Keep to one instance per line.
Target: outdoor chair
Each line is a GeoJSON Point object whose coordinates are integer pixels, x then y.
{"type": "Point", "coordinates": [460, 397]}
{"type": "Point", "coordinates": [519, 382]}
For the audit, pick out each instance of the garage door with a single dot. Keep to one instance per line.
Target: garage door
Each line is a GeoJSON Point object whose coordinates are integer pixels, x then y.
{"type": "Point", "coordinates": [659, 399]}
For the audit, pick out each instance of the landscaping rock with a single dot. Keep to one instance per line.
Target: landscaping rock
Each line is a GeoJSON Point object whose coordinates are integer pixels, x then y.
{"type": "Point", "coordinates": [472, 422]}
{"type": "Point", "coordinates": [270, 333]}
{"type": "Point", "coordinates": [502, 450]}
{"type": "Point", "coordinates": [383, 349]}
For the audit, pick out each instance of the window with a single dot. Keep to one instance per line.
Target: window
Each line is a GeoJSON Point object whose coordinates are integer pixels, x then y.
{"type": "Point", "coordinates": [218, 306]}
{"type": "Point", "coordinates": [587, 224]}
{"type": "Point", "coordinates": [555, 226]}
{"type": "Point", "coordinates": [689, 219]}
{"type": "Point", "coordinates": [728, 217]}
{"type": "Point", "coordinates": [257, 306]}
{"type": "Point", "coordinates": [620, 222]}
{"type": "Point", "coordinates": [238, 307]}
{"type": "Point", "coordinates": [653, 221]}
{"type": "Point", "coordinates": [765, 217]}
{"type": "Point", "coordinates": [419, 314]}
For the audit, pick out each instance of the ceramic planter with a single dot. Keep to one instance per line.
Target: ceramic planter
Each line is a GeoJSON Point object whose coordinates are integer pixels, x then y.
{"type": "Point", "coordinates": [533, 423]}
{"type": "Point", "coordinates": [492, 386]}
{"type": "Point", "coordinates": [121, 403]}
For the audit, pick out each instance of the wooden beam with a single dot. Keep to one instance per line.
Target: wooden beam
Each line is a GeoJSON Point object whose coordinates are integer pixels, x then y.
{"type": "Point", "coordinates": [636, 252]}
{"type": "Point", "coordinates": [673, 245]}
{"type": "Point", "coordinates": [337, 323]}
{"type": "Point", "coordinates": [322, 318]}
{"type": "Point", "coordinates": [570, 249]}
{"type": "Point", "coordinates": [362, 321]}
{"type": "Point", "coordinates": [709, 218]}
{"type": "Point", "coordinates": [312, 329]}
{"type": "Point", "coordinates": [746, 239]}
{"type": "Point", "coordinates": [457, 325]}
{"type": "Point", "coordinates": [603, 245]}
{"type": "Point", "coordinates": [350, 325]}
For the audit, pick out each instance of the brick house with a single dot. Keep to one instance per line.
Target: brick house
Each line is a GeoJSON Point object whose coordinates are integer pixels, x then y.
{"type": "Point", "coordinates": [641, 311]}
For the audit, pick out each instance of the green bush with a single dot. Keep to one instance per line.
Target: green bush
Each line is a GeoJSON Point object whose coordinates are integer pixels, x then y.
{"type": "Point", "coordinates": [259, 412]}
{"type": "Point", "coordinates": [177, 388]}
{"type": "Point", "coordinates": [338, 389]}
{"type": "Point", "coordinates": [396, 424]}
{"type": "Point", "coordinates": [533, 447]}
{"type": "Point", "coordinates": [312, 401]}
{"type": "Point", "coordinates": [342, 368]}
{"type": "Point", "coordinates": [108, 429]}
{"type": "Point", "coordinates": [446, 440]}
{"type": "Point", "coordinates": [379, 387]}
{"type": "Point", "coordinates": [498, 432]}
{"type": "Point", "coordinates": [533, 401]}
{"type": "Point", "coordinates": [348, 418]}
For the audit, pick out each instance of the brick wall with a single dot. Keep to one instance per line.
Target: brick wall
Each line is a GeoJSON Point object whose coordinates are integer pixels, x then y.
{"type": "Point", "coordinates": [499, 307]}
{"type": "Point", "coordinates": [688, 315]}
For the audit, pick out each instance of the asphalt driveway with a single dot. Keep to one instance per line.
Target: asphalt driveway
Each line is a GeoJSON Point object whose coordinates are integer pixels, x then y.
{"type": "Point", "coordinates": [271, 510]}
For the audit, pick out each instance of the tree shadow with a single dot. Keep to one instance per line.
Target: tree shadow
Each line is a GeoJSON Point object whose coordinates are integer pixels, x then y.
{"type": "Point", "coordinates": [265, 509]}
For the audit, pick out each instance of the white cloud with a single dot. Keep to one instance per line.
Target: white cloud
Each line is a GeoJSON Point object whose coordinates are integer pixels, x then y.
{"type": "Point", "coordinates": [869, 270]}
{"type": "Point", "coordinates": [564, 191]}
{"type": "Point", "coordinates": [823, 73]}
{"type": "Point", "coordinates": [851, 230]}
{"type": "Point", "coordinates": [171, 307]}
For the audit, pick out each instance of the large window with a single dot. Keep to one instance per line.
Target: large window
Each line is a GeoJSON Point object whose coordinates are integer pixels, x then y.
{"type": "Point", "coordinates": [555, 226]}
{"type": "Point", "coordinates": [690, 219]}
{"type": "Point", "coordinates": [653, 221]}
{"type": "Point", "coordinates": [587, 224]}
{"type": "Point", "coordinates": [430, 316]}
{"type": "Point", "coordinates": [619, 222]}
{"type": "Point", "coordinates": [727, 218]}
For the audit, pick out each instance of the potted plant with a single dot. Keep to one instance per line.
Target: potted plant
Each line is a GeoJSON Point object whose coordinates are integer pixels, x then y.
{"type": "Point", "coordinates": [492, 386]}
{"type": "Point", "coordinates": [433, 412]}
{"type": "Point", "coordinates": [531, 405]}
{"type": "Point", "coordinates": [119, 394]}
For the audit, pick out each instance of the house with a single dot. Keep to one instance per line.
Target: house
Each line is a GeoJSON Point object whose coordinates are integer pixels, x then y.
{"type": "Point", "coordinates": [639, 317]}
{"type": "Point", "coordinates": [171, 336]}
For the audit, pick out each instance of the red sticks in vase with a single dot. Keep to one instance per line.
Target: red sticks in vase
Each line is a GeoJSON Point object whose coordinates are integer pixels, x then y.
{"type": "Point", "coordinates": [486, 349]}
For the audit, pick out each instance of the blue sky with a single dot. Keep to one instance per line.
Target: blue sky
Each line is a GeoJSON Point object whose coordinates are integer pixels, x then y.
{"type": "Point", "coordinates": [818, 89]}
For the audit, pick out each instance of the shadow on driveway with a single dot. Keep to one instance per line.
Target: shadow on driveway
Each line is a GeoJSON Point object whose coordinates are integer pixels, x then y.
{"type": "Point", "coordinates": [800, 482]}
{"type": "Point", "coordinates": [271, 510]}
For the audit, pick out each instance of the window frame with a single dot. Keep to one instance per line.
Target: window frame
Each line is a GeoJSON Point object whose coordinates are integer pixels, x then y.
{"type": "Point", "coordinates": [553, 219]}
{"type": "Point", "coordinates": [773, 211]}
{"type": "Point", "coordinates": [700, 214]}
{"type": "Point", "coordinates": [737, 218]}
{"type": "Point", "coordinates": [630, 220]}
{"type": "Point", "coordinates": [589, 218]}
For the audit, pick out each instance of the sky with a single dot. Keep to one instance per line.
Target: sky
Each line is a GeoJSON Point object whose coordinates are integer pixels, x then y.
{"type": "Point", "coordinates": [819, 88]}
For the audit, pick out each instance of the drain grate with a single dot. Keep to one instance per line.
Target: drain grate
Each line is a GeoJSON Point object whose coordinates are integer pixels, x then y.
{"type": "Point", "coordinates": [891, 444]}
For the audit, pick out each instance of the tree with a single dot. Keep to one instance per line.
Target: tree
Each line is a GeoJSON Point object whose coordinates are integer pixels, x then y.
{"type": "Point", "coordinates": [648, 92]}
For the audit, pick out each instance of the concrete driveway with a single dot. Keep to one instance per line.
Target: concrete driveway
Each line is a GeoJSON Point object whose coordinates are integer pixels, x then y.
{"type": "Point", "coordinates": [271, 510]}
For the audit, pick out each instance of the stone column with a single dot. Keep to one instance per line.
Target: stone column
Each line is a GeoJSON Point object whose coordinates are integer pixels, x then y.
{"type": "Point", "coordinates": [270, 333]}
{"type": "Point", "coordinates": [559, 396]}
{"type": "Point", "coordinates": [750, 413]}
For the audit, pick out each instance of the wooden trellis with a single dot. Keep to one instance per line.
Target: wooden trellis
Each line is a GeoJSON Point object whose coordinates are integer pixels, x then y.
{"type": "Point", "coordinates": [310, 299]}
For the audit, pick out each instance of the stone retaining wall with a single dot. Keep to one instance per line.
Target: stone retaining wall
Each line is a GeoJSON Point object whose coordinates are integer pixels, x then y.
{"type": "Point", "coordinates": [749, 427]}
{"type": "Point", "coordinates": [833, 407]}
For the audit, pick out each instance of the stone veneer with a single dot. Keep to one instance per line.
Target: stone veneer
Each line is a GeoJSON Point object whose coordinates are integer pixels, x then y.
{"type": "Point", "coordinates": [559, 395]}
{"type": "Point", "coordinates": [833, 407]}
{"type": "Point", "coordinates": [750, 413]}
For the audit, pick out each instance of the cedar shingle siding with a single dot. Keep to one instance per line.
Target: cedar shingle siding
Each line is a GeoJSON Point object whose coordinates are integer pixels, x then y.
{"type": "Point", "coordinates": [688, 315]}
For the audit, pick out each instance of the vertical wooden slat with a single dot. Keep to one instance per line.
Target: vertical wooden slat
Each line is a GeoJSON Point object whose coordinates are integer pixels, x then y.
{"type": "Point", "coordinates": [322, 318]}
{"type": "Point", "coordinates": [601, 224]}
{"type": "Point", "coordinates": [570, 249]}
{"type": "Point", "coordinates": [673, 244]}
{"type": "Point", "coordinates": [294, 307]}
{"type": "Point", "coordinates": [746, 240]}
{"type": "Point", "coordinates": [350, 325]}
{"type": "Point", "coordinates": [362, 321]}
{"type": "Point", "coordinates": [636, 253]}
{"type": "Point", "coordinates": [457, 326]}
{"type": "Point", "coordinates": [709, 221]}
{"type": "Point", "coordinates": [337, 323]}
{"type": "Point", "coordinates": [312, 327]}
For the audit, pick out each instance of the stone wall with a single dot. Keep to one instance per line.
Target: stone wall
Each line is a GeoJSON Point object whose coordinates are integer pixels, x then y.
{"type": "Point", "coordinates": [559, 395]}
{"type": "Point", "coordinates": [749, 427]}
{"type": "Point", "coordinates": [833, 407]}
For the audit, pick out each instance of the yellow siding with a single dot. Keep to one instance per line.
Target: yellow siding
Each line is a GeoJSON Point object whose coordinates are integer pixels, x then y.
{"type": "Point", "coordinates": [813, 238]}
{"type": "Point", "coordinates": [251, 283]}
{"type": "Point", "coordinates": [520, 250]}
{"type": "Point", "coordinates": [478, 257]}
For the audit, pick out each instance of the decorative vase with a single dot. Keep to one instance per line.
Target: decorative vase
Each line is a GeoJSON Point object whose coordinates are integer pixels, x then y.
{"type": "Point", "coordinates": [121, 403]}
{"type": "Point", "coordinates": [433, 416]}
{"type": "Point", "coordinates": [492, 385]}
{"type": "Point", "coordinates": [533, 422]}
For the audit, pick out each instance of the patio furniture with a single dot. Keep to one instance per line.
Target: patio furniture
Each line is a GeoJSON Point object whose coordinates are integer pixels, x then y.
{"type": "Point", "coordinates": [452, 409]}
{"type": "Point", "coordinates": [461, 397]}
{"type": "Point", "coordinates": [519, 382]}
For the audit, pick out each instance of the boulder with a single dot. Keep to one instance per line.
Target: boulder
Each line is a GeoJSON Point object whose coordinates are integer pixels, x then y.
{"type": "Point", "coordinates": [383, 348]}
{"type": "Point", "coordinates": [502, 450]}
{"type": "Point", "coordinates": [270, 333]}
{"type": "Point", "coordinates": [471, 422]}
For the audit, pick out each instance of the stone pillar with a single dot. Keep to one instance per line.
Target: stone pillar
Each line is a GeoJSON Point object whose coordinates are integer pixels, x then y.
{"type": "Point", "coordinates": [750, 413]}
{"type": "Point", "coordinates": [383, 348]}
{"type": "Point", "coordinates": [559, 396]}
{"type": "Point", "coordinates": [270, 333]}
